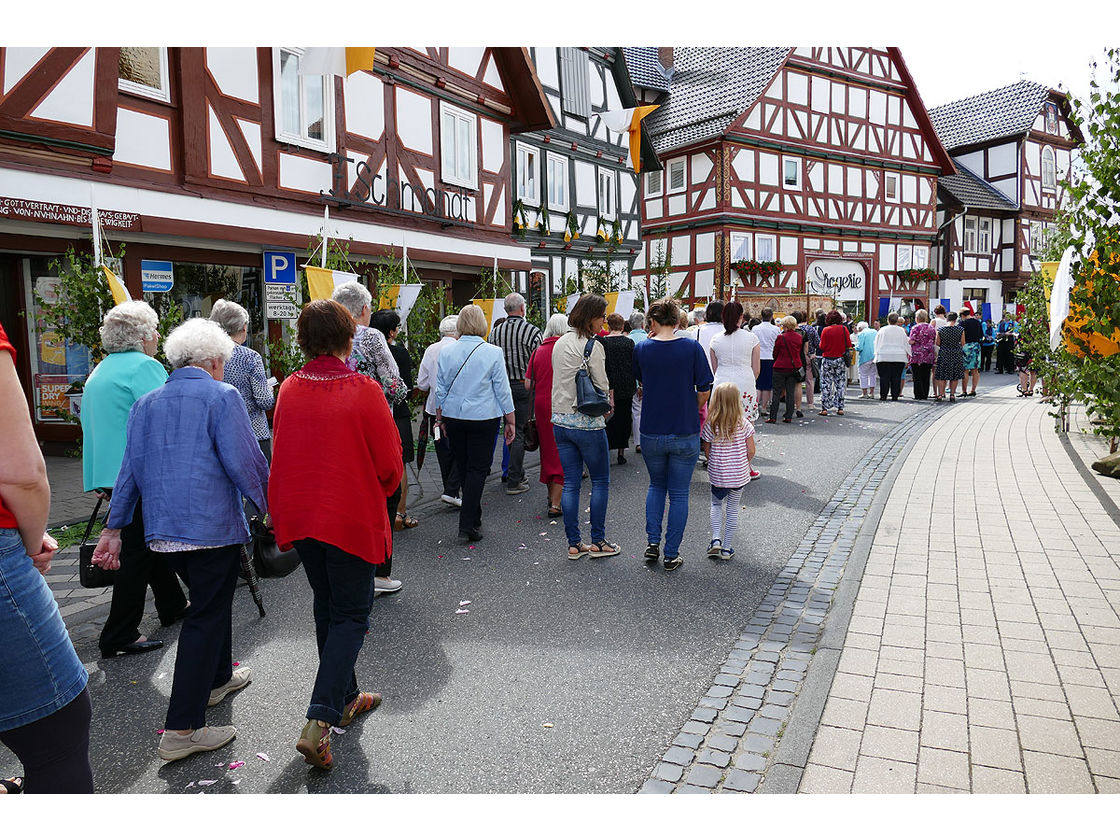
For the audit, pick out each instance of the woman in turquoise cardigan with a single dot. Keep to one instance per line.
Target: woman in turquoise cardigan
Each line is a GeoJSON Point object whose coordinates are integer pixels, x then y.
{"type": "Point", "coordinates": [128, 371]}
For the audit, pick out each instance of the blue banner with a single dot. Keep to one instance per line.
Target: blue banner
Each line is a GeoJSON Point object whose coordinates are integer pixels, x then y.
{"type": "Point", "coordinates": [986, 311]}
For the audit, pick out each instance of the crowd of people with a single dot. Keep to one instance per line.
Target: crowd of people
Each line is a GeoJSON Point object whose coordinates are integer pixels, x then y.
{"type": "Point", "coordinates": [181, 457]}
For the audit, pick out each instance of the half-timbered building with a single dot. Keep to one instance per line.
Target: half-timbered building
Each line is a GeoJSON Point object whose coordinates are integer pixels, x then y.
{"type": "Point", "coordinates": [805, 170]}
{"type": "Point", "coordinates": [207, 158]}
{"type": "Point", "coordinates": [574, 188]}
{"type": "Point", "coordinates": [1012, 148]}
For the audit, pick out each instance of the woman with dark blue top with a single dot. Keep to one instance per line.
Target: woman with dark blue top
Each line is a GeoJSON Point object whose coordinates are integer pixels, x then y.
{"type": "Point", "coordinates": [675, 379]}
{"type": "Point", "coordinates": [987, 345]}
{"type": "Point", "coordinates": [191, 454]}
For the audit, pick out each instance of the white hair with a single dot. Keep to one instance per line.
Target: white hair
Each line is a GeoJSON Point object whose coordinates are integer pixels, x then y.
{"type": "Point", "coordinates": [513, 302]}
{"type": "Point", "coordinates": [195, 341]}
{"type": "Point", "coordinates": [861, 326]}
{"type": "Point", "coordinates": [231, 317]}
{"type": "Point", "coordinates": [699, 314]}
{"type": "Point", "coordinates": [449, 326]}
{"type": "Point", "coordinates": [354, 296]}
{"type": "Point", "coordinates": [127, 326]}
{"type": "Point", "coordinates": [637, 320]}
{"type": "Point", "coordinates": [557, 325]}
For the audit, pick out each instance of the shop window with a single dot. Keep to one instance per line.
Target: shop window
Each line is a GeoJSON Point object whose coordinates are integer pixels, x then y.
{"type": "Point", "coordinates": [197, 287]}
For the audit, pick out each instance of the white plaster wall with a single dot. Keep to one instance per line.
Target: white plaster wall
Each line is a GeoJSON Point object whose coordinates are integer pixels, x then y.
{"type": "Point", "coordinates": [365, 105]}
{"type": "Point", "coordinates": [493, 145]}
{"type": "Point", "coordinates": [787, 250]}
{"type": "Point", "coordinates": [836, 179]}
{"type": "Point", "coordinates": [743, 164]}
{"type": "Point", "coordinates": [143, 140]}
{"type": "Point", "coordinates": [586, 191]}
{"type": "Point", "coordinates": [858, 101]}
{"type": "Point", "coordinates": [235, 71]}
{"type": "Point", "coordinates": [701, 168]}
{"type": "Point", "coordinates": [704, 283]}
{"type": "Point", "coordinates": [682, 250]}
{"type": "Point", "coordinates": [18, 61]}
{"type": "Point", "coordinates": [465, 59]}
{"type": "Point", "coordinates": [820, 94]}
{"type": "Point", "coordinates": [877, 107]}
{"type": "Point", "coordinates": [251, 131]}
{"type": "Point", "coordinates": [414, 120]}
{"type": "Point", "coordinates": [71, 101]}
{"type": "Point", "coordinates": [705, 247]}
{"type": "Point", "coordinates": [547, 67]}
{"type": "Point", "coordinates": [1003, 160]}
{"type": "Point", "coordinates": [223, 162]}
{"type": "Point", "coordinates": [304, 174]}
{"type": "Point", "coordinates": [491, 77]}
{"type": "Point", "coordinates": [767, 169]}
{"type": "Point", "coordinates": [797, 89]}
{"type": "Point", "coordinates": [677, 205]}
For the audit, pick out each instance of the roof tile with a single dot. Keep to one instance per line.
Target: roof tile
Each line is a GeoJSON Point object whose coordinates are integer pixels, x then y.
{"type": "Point", "coordinates": [1005, 112]}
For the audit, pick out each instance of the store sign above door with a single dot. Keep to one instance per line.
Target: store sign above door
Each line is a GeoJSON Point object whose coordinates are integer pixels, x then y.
{"type": "Point", "coordinates": [842, 279]}
{"type": "Point", "coordinates": [156, 275]}
{"type": "Point", "coordinates": [371, 189]}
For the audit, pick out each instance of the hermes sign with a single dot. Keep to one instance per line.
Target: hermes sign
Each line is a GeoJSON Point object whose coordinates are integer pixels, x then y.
{"type": "Point", "coordinates": [842, 279]}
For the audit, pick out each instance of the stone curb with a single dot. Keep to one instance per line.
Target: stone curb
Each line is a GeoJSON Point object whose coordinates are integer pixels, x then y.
{"type": "Point", "coordinates": [1090, 478]}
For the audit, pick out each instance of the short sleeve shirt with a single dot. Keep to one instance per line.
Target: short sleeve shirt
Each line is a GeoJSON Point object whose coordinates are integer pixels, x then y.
{"type": "Point", "coordinates": [671, 373]}
{"type": "Point", "coordinates": [727, 459]}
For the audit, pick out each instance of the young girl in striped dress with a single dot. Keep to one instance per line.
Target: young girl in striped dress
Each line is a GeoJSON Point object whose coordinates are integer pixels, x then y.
{"type": "Point", "coordinates": [727, 438]}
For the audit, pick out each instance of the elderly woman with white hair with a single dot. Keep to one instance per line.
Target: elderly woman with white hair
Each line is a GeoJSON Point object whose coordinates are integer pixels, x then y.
{"type": "Point", "coordinates": [538, 379]}
{"type": "Point", "coordinates": [865, 347]}
{"type": "Point", "coordinates": [245, 370]}
{"type": "Point", "coordinates": [426, 384]}
{"type": "Point", "coordinates": [371, 354]}
{"type": "Point", "coordinates": [128, 372]}
{"type": "Point", "coordinates": [191, 455]}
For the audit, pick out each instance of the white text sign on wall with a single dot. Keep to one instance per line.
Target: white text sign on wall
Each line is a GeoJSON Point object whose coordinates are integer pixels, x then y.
{"type": "Point", "coordinates": [842, 279]}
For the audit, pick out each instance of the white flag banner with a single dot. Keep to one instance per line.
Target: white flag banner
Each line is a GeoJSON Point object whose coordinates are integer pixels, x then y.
{"type": "Point", "coordinates": [323, 61]}
{"type": "Point", "coordinates": [406, 299]}
{"type": "Point", "coordinates": [618, 120]}
{"type": "Point", "coordinates": [1059, 297]}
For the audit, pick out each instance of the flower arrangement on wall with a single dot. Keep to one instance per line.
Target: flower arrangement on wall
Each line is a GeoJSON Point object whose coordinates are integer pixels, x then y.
{"type": "Point", "coordinates": [571, 227]}
{"type": "Point", "coordinates": [763, 269]}
{"type": "Point", "coordinates": [917, 275]}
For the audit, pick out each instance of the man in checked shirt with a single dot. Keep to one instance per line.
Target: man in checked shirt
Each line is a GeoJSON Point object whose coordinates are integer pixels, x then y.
{"type": "Point", "coordinates": [518, 339]}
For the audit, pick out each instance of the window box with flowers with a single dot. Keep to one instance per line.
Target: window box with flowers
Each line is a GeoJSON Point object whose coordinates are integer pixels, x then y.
{"type": "Point", "coordinates": [917, 275]}
{"type": "Point", "coordinates": [763, 269]}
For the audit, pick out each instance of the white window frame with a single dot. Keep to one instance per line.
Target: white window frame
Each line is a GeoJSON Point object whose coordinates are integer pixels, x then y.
{"type": "Point", "coordinates": [1053, 180]}
{"type": "Point", "coordinates": [161, 94]}
{"type": "Point", "coordinates": [923, 252]}
{"type": "Point", "coordinates": [608, 209]}
{"type": "Point", "coordinates": [471, 182]}
{"type": "Point", "coordinates": [984, 236]}
{"type": "Point", "coordinates": [759, 238]}
{"type": "Point", "coordinates": [327, 144]}
{"type": "Point", "coordinates": [562, 161]}
{"type": "Point", "coordinates": [738, 239]}
{"type": "Point", "coordinates": [796, 161]}
{"type": "Point", "coordinates": [669, 188]}
{"type": "Point", "coordinates": [887, 177]}
{"type": "Point", "coordinates": [904, 254]}
{"type": "Point", "coordinates": [660, 191]}
{"type": "Point", "coordinates": [969, 247]}
{"type": "Point", "coordinates": [525, 154]}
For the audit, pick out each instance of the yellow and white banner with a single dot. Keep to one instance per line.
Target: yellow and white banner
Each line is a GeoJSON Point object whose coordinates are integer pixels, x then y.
{"type": "Point", "coordinates": [321, 282]}
{"type": "Point", "coordinates": [120, 293]}
{"type": "Point", "coordinates": [565, 304]}
{"type": "Point", "coordinates": [116, 287]}
{"type": "Point", "coordinates": [629, 121]}
{"type": "Point", "coordinates": [620, 303]}
{"type": "Point", "coordinates": [401, 297]}
{"type": "Point", "coordinates": [489, 307]}
{"type": "Point", "coordinates": [335, 61]}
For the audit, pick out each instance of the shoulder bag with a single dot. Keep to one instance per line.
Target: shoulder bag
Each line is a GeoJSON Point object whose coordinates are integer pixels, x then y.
{"type": "Point", "coordinates": [268, 560]}
{"type": "Point", "coordinates": [89, 575]}
{"type": "Point", "coordinates": [589, 399]}
{"type": "Point", "coordinates": [532, 435]}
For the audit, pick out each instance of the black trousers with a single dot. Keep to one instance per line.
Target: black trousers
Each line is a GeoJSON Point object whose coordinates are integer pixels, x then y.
{"type": "Point", "coordinates": [391, 502]}
{"type": "Point", "coordinates": [139, 569]}
{"type": "Point", "coordinates": [783, 381]}
{"type": "Point", "coordinates": [522, 408]}
{"type": "Point", "coordinates": [1005, 363]}
{"type": "Point", "coordinates": [448, 469]}
{"type": "Point", "coordinates": [266, 449]}
{"type": "Point", "coordinates": [54, 750]}
{"type": "Point", "coordinates": [205, 657]}
{"type": "Point", "coordinates": [921, 380]}
{"type": "Point", "coordinates": [890, 378]}
{"type": "Point", "coordinates": [472, 444]}
{"type": "Point", "coordinates": [986, 356]}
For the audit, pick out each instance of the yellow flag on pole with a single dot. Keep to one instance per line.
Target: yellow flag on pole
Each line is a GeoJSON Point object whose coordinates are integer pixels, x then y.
{"type": "Point", "coordinates": [629, 121]}
{"type": "Point", "coordinates": [488, 307]}
{"type": "Point", "coordinates": [120, 293]}
{"type": "Point", "coordinates": [321, 282]}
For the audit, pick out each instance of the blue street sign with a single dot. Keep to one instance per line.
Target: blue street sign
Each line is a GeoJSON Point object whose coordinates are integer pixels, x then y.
{"type": "Point", "coordinates": [280, 267]}
{"type": "Point", "coordinates": [156, 275]}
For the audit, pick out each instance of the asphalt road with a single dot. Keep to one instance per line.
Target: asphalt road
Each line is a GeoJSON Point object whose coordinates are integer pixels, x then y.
{"type": "Point", "coordinates": [564, 676]}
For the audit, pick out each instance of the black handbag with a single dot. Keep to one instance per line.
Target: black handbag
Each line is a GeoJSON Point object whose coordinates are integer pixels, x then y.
{"type": "Point", "coordinates": [268, 560]}
{"type": "Point", "coordinates": [589, 399]}
{"type": "Point", "coordinates": [89, 575]}
{"type": "Point", "coordinates": [532, 435]}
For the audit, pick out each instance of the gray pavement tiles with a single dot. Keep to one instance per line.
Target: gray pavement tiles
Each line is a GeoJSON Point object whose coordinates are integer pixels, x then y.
{"type": "Point", "coordinates": [748, 715]}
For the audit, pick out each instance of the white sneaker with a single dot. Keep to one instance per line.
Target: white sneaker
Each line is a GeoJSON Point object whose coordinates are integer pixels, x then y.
{"type": "Point", "coordinates": [241, 678]}
{"type": "Point", "coordinates": [173, 746]}
{"type": "Point", "coordinates": [454, 501]}
{"type": "Point", "coordinates": [386, 584]}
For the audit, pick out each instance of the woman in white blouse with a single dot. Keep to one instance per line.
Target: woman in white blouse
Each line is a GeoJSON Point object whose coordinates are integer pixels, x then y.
{"type": "Point", "coordinates": [892, 353]}
{"type": "Point", "coordinates": [735, 356]}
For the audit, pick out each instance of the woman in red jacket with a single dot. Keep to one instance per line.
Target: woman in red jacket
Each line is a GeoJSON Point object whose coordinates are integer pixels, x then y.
{"type": "Point", "coordinates": [835, 341]}
{"type": "Point", "coordinates": [788, 358]}
{"type": "Point", "coordinates": [328, 416]}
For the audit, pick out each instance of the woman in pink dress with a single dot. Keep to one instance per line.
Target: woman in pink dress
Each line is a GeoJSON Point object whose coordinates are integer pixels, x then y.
{"type": "Point", "coordinates": [538, 378]}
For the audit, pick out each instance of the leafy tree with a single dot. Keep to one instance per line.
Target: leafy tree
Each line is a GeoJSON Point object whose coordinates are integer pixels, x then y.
{"type": "Point", "coordinates": [1090, 225]}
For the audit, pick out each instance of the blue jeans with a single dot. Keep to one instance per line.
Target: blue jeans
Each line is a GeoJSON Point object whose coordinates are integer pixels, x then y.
{"type": "Point", "coordinates": [670, 460]}
{"type": "Point", "coordinates": [342, 590]}
{"type": "Point", "coordinates": [578, 447]}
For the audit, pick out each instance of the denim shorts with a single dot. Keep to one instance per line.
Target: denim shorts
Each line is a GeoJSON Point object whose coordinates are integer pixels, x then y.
{"type": "Point", "coordinates": [39, 671]}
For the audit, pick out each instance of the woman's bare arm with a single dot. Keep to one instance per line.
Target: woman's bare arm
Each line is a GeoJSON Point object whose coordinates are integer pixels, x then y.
{"type": "Point", "coordinates": [23, 473]}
